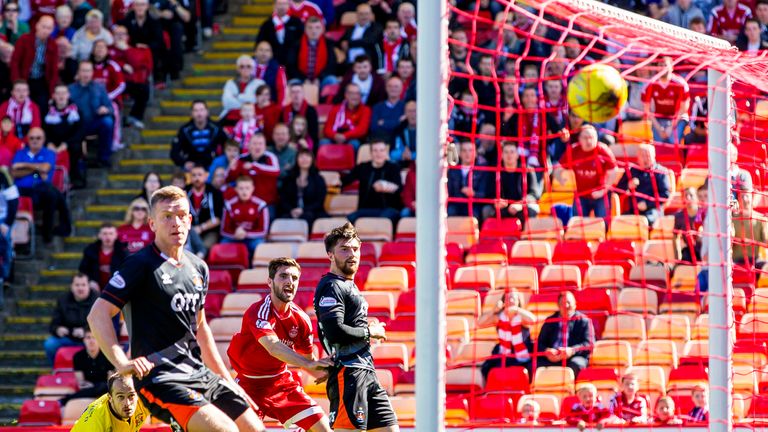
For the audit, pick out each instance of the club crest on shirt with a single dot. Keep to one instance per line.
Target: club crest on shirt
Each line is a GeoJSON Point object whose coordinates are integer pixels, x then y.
{"type": "Point", "coordinates": [117, 281]}
{"type": "Point", "coordinates": [166, 279]}
{"type": "Point", "coordinates": [293, 332]}
{"type": "Point", "coordinates": [194, 396]}
{"type": "Point", "coordinates": [197, 281]}
{"type": "Point", "coordinates": [360, 415]}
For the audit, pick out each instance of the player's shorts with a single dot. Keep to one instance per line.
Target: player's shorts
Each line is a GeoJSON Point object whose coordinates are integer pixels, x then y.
{"type": "Point", "coordinates": [175, 397]}
{"type": "Point", "coordinates": [358, 401]}
{"type": "Point", "coordinates": [282, 398]}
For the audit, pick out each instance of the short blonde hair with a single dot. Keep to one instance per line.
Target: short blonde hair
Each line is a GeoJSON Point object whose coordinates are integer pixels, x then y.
{"type": "Point", "coordinates": [95, 13]}
{"type": "Point", "coordinates": [586, 386]}
{"type": "Point", "coordinates": [63, 9]}
{"type": "Point", "coordinates": [164, 194]}
{"type": "Point", "coordinates": [245, 59]}
{"type": "Point", "coordinates": [531, 403]}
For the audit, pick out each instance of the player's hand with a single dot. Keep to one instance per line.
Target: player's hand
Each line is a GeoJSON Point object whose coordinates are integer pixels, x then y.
{"type": "Point", "coordinates": [139, 366]}
{"type": "Point", "coordinates": [377, 331]}
{"type": "Point", "coordinates": [642, 206]}
{"type": "Point", "coordinates": [598, 193]}
{"type": "Point", "coordinates": [321, 377]}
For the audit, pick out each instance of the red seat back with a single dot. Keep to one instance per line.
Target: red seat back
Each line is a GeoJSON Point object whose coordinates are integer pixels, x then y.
{"type": "Point", "coordinates": [40, 413]}
{"type": "Point", "coordinates": [397, 252]}
{"type": "Point", "coordinates": [496, 408]}
{"type": "Point", "coordinates": [509, 380]}
{"type": "Point", "coordinates": [64, 356]}
{"type": "Point", "coordinates": [61, 379]}
{"type": "Point", "coordinates": [336, 157]}
{"type": "Point", "coordinates": [219, 281]}
{"type": "Point", "coordinates": [229, 256]}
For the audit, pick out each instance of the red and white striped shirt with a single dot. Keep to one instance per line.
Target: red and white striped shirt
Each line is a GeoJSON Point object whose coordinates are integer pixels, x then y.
{"type": "Point", "coordinates": [510, 331]}
{"type": "Point", "coordinates": [304, 10]}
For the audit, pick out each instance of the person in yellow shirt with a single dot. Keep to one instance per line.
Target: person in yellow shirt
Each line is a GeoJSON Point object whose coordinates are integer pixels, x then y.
{"type": "Point", "coordinates": [117, 411]}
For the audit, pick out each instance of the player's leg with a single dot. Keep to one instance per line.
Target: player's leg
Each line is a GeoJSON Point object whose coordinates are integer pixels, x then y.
{"type": "Point", "coordinates": [322, 425]}
{"type": "Point", "coordinates": [381, 416]}
{"type": "Point", "coordinates": [210, 418]}
{"type": "Point", "coordinates": [249, 422]}
{"type": "Point", "coordinates": [344, 395]}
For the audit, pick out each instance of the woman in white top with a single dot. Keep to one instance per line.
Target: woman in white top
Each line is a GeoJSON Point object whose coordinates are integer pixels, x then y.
{"type": "Point", "coordinates": [239, 90]}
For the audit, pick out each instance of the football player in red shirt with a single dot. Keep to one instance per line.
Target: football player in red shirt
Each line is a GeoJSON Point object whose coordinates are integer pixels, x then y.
{"type": "Point", "coordinates": [666, 101]}
{"type": "Point", "coordinates": [275, 333]}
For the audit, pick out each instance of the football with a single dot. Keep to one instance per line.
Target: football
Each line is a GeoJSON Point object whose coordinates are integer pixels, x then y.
{"type": "Point", "coordinates": [597, 93]}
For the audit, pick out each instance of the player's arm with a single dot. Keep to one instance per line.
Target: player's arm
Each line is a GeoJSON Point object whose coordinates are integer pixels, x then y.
{"type": "Point", "coordinates": [282, 352]}
{"type": "Point", "coordinates": [208, 350]}
{"type": "Point", "coordinates": [100, 322]}
{"type": "Point", "coordinates": [330, 317]}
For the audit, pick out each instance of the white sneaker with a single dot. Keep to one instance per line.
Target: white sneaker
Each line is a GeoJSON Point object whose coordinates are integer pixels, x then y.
{"type": "Point", "coordinates": [207, 32]}
{"type": "Point", "coordinates": [117, 146]}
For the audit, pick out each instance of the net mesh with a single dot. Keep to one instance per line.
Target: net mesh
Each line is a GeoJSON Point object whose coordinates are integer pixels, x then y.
{"type": "Point", "coordinates": [623, 228]}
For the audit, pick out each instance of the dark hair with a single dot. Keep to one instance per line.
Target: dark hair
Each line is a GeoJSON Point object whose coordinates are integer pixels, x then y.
{"type": "Point", "coordinates": [392, 20]}
{"type": "Point", "coordinates": [696, 20]}
{"type": "Point", "coordinates": [313, 20]}
{"type": "Point", "coordinates": [19, 81]}
{"type": "Point", "coordinates": [276, 263]}
{"type": "Point", "coordinates": [144, 193]}
{"type": "Point", "coordinates": [295, 171]}
{"type": "Point", "coordinates": [106, 225]}
{"type": "Point", "coordinates": [344, 232]}
{"type": "Point", "coordinates": [80, 275]}
{"type": "Point", "coordinates": [231, 143]}
{"type": "Point", "coordinates": [261, 88]}
{"type": "Point", "coordinates": [179, 175]}
{"type": "Point", "coordinates": [198, 101]}
{"type": "Point", "coordinates": [752, 20]}
{"type": "Point", "coordinates": [362, 58]}
{"type": "Point", "coordinates": [201, 166]}
{"type": "Point", "coordinates": [126, 379]}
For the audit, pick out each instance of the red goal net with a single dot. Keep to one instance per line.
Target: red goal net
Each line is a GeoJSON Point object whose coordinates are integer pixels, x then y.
{"type": "Point", "coordinates": [580, 268]}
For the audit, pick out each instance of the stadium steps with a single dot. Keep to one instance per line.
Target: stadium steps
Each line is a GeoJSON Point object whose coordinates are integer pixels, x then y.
{"type": "Point", "coordinates": [40, 281]}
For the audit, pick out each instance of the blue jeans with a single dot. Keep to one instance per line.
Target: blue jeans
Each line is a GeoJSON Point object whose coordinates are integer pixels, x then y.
{"type": "Point", "coordinates": [6, 254]}
{"type": "Point", "coordinates": [104, 127]}
{"type": "Point", "coordinates": [53, 343]}
{"type": "Point", "coordinates": [206, 10]}
{"type": "Point", "coordinates": [585, 205]}
{"type": "Point", "coordinates": [678, 131]}
{"type": "Point", "coordinates": [250, 244]}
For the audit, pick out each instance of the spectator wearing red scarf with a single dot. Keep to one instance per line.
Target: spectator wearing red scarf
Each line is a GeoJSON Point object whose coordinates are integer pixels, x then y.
{"type": "Point", "coordinates": [298, 106]}
{"type": "Point", "coordinates": [393, 47]}
{"type": "Point", "coordinates": [348, 121]}
{"type": "Point", "coordinates": [315, 60]}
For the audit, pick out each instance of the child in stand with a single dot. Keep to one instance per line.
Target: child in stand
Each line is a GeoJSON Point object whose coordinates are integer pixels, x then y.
{"type": "Point", "coordinates": [246, 126]}
{"type": "Point", "coordinates": [589, 411]}
{"type": "Point", "coordinates": [700, 411]}
{"type": "Point", "coordinates": [627, 404]}
{"type": "Point", "coordinates": [665, 412]}
{"type": "Point", "coordinates": [529, 413]}
{"type": "Point", "coordinates": [300, 134]}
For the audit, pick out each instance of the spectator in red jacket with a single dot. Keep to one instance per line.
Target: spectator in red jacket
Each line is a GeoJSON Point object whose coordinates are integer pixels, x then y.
{"type": "Point", "coordinates": [41, 71]}
{"type": "Point", "coordinates": [137, 65]}
{"type": "Point", "coordinates": [21, 109]}
{"type": "Point", "coordinates": [246, 217]}
{"type": "Point", "coordinates": [107, 72]}
{"type": "Point", "coordinates": [348, 121]}
{"type": "Point", "coordinates": [135, 232]}
{"type": "Point", "coordinates": [266, 112]}
{"type": "Point", "coordinates": [9, 142]}
{"type": "Point", "coordinates": [261, 166]}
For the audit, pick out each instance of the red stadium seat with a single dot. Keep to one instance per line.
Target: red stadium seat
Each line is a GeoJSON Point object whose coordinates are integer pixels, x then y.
{"type": "Point", "coordinates": [506, 230]}
{"type": "Point", "coordinates": [576, 252]}
{"type": "Point", "coordinates": [335, 157]}
{"type": "Point", "coordinates": [599, 376]}
{"type": "Point", "coordinates": [406, 305]}
{"type": "Point", "coordinates": [310, 277]}
{"type": "Point", "coordinates": [759, 407]}
{"type": "Point", "coordinates": [60, 179]}
{"type": "Point", "coordinates": [493, 408]}
{"type": "Point", "coordinates": [57, 385]}
{"type": "Point", "coordinates": [40, 413]}
{"type": "Point", "coordinates": [395, 253]}
{"type": "Point", "coordinates": [616, 252]}
{"type": "Point", "coordinates": [368, 254]}
{"type": "Point", "coordinates": [512, 379]}
{"type": "Point", "coordinates": [64, 355]}
{"type": "Point", "coordinates": [594, 300]}
{"type": "Point", "coordinates": [219, 282]}
{"type": "Point", "coordinates": [62, 160]}
{"type": "Point", "coordinates": [232, 257]}
{"type": "Point", "coordinates": [454, 254]}
{"type": "Point", "coordinates": [487, 253]}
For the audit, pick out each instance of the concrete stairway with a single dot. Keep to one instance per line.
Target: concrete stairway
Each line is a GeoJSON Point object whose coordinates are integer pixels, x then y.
{"type": "Point", "coordinates": [40, 281]}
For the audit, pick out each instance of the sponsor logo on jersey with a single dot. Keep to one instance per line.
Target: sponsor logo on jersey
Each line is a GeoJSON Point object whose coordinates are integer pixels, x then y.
{"type": "Point", "coordinates": [360, 415]}
{"type": "Point", "coordinates": [167, 280]}
{"type": "Point", "coordinates": [197, 281]}
{"type": "Point", "coordinates": [264, 325]}
{"type": "Point", "coordinates": [194, 396]}
{"type": "Point", "coordinates": [293, 332]}
{"type": "Point", "coordinates": [327, 302]}
{"type": "Point", "coordinates": [182, 302]}
{"type": "Point", "coordinates": [117, 281]}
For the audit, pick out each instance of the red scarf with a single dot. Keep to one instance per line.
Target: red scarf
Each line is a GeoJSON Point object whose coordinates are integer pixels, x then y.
{"type": "Point", "coordinates": [342, 123]}
{"type": "Point", "coordinates": [288, 112]}
{"type": "Point", "coordinates": [280, 26]}
{"type": "Point", "coordinates": [390, 51]}
{"type": "Point", "coordinates": [321, 56]}
{"type": "Point", "coordinates": [510, 332]}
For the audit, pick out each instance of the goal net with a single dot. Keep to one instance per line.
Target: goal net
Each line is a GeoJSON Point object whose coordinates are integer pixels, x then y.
{"type": "Point", "coordinates": [615, 283]}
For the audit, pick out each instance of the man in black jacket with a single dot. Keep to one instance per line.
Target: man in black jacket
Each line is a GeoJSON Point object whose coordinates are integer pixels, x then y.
{"type": "Point", "coordinates": [102, 257]}
{"type": "Point", "coordinates": [566, 338]}
{"type": "Point", "coordinates": [282, 31]}
{"type": "Point", "coordinates": [380, 186]}
{"type": "Point", "coordinates": [363, 37]}
{"type": "Point", "coordinates": [9, 204]}
{"type": "Point", "coordinates": [206, 204]}
{"type": "Point", "coordinates": [144, 30]}
{"type": "Point", "coordinates": [467, 183]}
{"type": "Point", "coordinates": [198, 140]}
{"type": "Point", "coordinates": [64, 130]}
{"type": "Point", "coordinates": [70, 316]}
